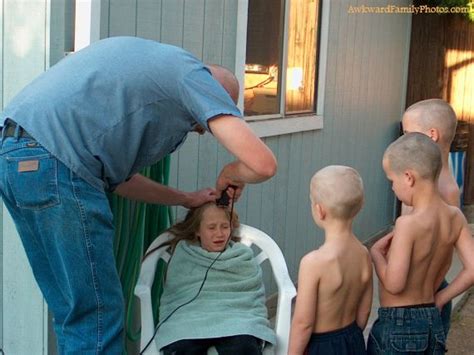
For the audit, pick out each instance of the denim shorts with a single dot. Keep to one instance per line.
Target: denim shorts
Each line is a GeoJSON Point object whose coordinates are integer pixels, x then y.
{"type": "Point", "coordinates": [348, 340]}
{"type": "Point", "coordinates": [407, 330]}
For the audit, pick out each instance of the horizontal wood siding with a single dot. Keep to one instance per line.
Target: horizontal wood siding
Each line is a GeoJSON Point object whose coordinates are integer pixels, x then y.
{"type": "Point", "coordinates": [364, 96]}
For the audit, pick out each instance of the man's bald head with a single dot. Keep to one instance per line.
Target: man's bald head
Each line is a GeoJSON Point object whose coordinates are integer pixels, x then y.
{"type": "Point", "coordinates": [433, 113]}
{"type": "Point", "coordinates": [227, 79]}
{"type": "Point", "coordinates": [339, 189]}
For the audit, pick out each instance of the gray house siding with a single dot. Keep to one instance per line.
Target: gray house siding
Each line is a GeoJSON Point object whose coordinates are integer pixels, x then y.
{"type": "Point", "coordinates": [364, 95]}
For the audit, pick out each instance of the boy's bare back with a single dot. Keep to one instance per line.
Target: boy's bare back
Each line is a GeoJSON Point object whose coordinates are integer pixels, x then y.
{"type": "Point", "coordinates": [334, 281]}
{"type": "Point", "coordinates": [421, 250]}
{"type": "Point", "coordinates": [342, 274]}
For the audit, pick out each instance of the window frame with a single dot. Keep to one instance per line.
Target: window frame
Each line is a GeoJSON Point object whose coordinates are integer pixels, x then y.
{"type": "Point", "coordinates": [279, 124]}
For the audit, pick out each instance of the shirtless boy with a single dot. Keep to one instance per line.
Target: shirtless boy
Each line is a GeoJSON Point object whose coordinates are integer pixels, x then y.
{"type": "Point", "coordinates": [437, 119]}
{"type": "Point", "coordinates": [412, 261]}
{"type": "Point", "coordinates": [335, 281]}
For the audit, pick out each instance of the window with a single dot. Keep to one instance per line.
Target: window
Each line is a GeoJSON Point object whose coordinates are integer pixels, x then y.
{"type": "Point", "coordinates": [281, 58]}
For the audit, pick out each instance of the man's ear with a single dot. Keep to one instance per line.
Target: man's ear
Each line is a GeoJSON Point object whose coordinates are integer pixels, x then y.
{"type": "Point", "coordinates": [433, 133]}
{"type": "Point", "coordinates": [410, 177]}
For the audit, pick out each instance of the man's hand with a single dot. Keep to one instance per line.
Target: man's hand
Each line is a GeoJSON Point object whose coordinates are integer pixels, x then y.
{"type": "Point", "coordinates": [227, 178]}
{"type": "Point", "coordinates": [198, 198]}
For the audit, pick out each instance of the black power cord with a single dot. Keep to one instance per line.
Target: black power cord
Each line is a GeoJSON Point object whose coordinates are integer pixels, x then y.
{"type": "Point", "coordinates": [223, 201]}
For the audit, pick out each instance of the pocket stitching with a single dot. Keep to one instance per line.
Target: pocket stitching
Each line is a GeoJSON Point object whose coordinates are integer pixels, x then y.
{"type": "Point", "coordinates": [54, 198]}
{"type": "Point", "coordinates": [419, 337]}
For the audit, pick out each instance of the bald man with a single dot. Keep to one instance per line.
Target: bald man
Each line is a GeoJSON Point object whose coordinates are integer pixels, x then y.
{"type": "Point", "coordinates": [87, 126]}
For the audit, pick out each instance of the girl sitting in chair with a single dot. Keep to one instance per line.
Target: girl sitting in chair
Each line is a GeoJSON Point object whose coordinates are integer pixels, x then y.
{"type": "Point", "coordinates": [227, 310]}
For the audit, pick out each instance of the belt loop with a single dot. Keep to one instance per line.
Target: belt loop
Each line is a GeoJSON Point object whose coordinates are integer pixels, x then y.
{"type": "Point", "coordinates": [4, 129]}
{"type": "Point", "coordinates": [399, 315]}
{"type": "Point", "coordinates": [16, 135]}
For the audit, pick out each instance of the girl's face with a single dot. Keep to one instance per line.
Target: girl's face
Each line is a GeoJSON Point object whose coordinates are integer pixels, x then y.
{"type": "Point", "coordinates": [214, 229]}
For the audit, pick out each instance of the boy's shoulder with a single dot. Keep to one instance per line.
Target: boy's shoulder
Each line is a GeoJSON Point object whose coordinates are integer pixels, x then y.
{"type": "Point", "coordinates": [458, 217]}
{"type": "Point", "coordinates": [449, 189]}
{"type": "Point", "coordinates": [316, 260]}
{"type": "Point", "coordinates": [316, 256]}
{"type": "Point", "coordinates": [410, 225]}
{"type": "Point", "coordinates": [327, 254]}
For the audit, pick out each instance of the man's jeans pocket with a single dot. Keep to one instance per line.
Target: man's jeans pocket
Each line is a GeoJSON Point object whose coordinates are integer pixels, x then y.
{"type": "Point", "coordinates": [33, 178]}
{"type": "Point", "coordinates": [409, 343]}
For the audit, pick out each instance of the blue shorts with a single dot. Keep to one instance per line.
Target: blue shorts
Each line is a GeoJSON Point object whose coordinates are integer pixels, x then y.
{"type": "Point", "coordinates": [414, 329]}
{"type": "Point", "coordinates": [348, 340]}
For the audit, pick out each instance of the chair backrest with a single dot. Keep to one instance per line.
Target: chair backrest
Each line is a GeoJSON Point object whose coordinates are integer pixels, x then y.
{"type": "Point", "coordinates": [249, 236]}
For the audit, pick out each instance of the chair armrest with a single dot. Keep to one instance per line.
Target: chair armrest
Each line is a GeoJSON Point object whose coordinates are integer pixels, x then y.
{"type": "Point", "coordinates": [143, 292]}
{"type": "Point", "coordinates": [283, 318]}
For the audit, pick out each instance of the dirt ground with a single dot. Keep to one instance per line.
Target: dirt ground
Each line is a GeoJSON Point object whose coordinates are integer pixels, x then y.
{"type": "Point", "coordinates": [461, 335]}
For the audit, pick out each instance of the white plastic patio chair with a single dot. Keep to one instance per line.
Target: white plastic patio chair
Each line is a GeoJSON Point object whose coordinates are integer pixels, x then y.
{"type": "Point", "coordinates": [249, 235]}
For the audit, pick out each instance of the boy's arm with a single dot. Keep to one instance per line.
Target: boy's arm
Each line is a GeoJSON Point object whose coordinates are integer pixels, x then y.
{"type": "Point", "coordinates": [392, 268]}
{"type": "Point", "coordinates": [365, 305]}
{"type": "Point", "coordinates": [305, 310]}
{"type": "Point", "coordinates": [465, 279]}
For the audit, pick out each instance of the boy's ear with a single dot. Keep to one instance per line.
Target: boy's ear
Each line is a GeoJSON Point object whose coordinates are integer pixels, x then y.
{"type": "Point", "coordinates": [433, 133]}
{"type": "Point", "coordinates": [409, 176]}
{"type": "Point", "coordinates": [321, 212]}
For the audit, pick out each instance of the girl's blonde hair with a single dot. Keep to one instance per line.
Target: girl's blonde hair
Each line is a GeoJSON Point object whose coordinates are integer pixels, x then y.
{"type": "Point", "coordinates": [187, 229]}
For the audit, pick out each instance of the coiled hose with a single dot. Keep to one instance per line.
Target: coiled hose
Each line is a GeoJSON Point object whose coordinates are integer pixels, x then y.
{"type": "Point", "coordinates": [136, 226]}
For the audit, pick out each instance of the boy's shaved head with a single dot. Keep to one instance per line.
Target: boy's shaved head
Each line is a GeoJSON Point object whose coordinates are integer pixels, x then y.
{"type": "Point", "coordinates": [434, 113]}
{"type": "Point", "coordinates": [339, 189]}
{"type": "Point", "coordinates": [414, 151]}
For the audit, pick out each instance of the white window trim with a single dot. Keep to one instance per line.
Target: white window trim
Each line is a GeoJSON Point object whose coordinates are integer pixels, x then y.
{"type": "Point", "coordinates": [268, 126]}
{"type": "Point", "coordinates": [87, 23]}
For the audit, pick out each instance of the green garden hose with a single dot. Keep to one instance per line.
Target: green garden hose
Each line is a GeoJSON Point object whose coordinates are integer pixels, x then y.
{"type": "Point", "coordinates": [136, 226]}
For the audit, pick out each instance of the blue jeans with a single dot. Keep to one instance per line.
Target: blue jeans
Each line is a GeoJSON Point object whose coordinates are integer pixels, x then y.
{"type": "Point", "coordinates": [411, 330]}
{"type": "Point", "coordinates": [446, 311]}
{"type": "Point", "coordinates": [67, 231]}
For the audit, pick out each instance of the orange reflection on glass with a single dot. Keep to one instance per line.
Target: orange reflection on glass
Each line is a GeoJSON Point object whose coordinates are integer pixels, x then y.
{"type": "Point", "coordinates": [302, 42]}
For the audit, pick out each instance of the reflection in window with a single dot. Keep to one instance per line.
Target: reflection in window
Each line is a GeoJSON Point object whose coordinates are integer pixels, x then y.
{"type": "Point", "coordinates": [302, 41]}
{"type": "Point", "coordinates": [264, 89]}
{"type": "Point", "coordinates": [264, 45]}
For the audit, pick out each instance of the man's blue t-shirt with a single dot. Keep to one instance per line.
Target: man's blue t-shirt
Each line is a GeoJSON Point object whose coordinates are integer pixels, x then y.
{"type": "Point", "coordinates": [117, 106]}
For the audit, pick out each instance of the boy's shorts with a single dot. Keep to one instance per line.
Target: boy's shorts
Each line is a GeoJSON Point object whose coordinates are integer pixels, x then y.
{"type": "Point", "coordinates": [410, 329]}
{"type": "Point", "coordinates": [348, 340]}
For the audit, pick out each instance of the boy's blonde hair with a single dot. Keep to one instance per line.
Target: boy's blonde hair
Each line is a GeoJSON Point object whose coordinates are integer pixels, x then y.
{"type": "Point", "coordinates": [417, 152]}
{"type": "Point", "coordinates": [339, 189]}
{"type": "Point", "coordinates": [435, 113]}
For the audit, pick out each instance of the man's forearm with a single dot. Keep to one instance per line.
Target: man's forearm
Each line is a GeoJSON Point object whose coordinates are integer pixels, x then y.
{"type": "Point", "coordinates": [143, 189]}
{"type": "Point", "coordinates": [238, 171]}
